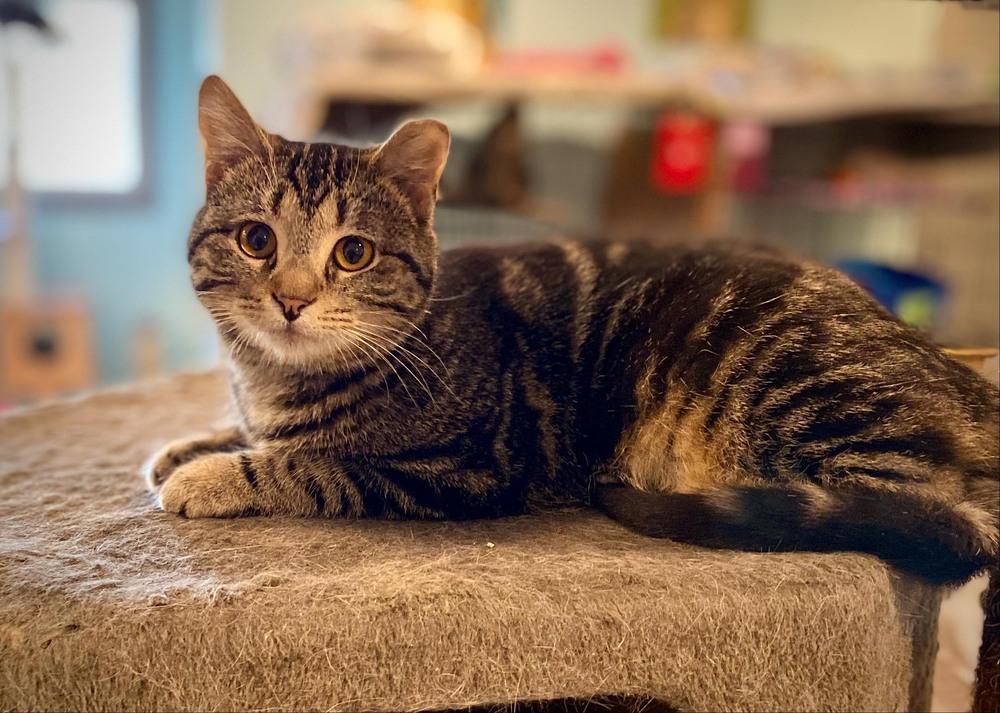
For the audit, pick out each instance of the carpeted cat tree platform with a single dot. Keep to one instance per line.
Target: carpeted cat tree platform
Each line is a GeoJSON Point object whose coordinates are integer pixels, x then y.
{"type": "Point", "coordinates": [108, 604]}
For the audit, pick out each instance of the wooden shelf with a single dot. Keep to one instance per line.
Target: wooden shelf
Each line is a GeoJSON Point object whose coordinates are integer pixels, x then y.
{"type": "Point", "coordinates": [307, 99]}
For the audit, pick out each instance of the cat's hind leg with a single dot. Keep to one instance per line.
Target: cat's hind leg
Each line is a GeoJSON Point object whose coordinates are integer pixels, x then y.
{"type": "Point", "coordinates": [669, 450]}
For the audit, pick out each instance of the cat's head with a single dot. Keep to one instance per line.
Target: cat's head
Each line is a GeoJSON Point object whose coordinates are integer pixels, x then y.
{"type": "Point", "coordinates": [313, 256]}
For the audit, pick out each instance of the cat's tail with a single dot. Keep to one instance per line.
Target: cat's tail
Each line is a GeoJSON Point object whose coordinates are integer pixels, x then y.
{"type": "Point", "coordinates": [937, 542]}
{"type": "Point", "coordinates": [940, 543]}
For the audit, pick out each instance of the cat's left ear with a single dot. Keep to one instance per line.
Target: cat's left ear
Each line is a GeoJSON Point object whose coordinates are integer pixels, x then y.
{"type": "Point", "coordinates": [227, 131]}
{"type": "Point", "coordinates": [414, 158]}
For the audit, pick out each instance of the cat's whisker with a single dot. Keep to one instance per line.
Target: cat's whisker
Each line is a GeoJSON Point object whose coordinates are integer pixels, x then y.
{"type": "Point", "coordinates": [426, 344]}
{"type": "Point", "coordinates": [383, 313]}
{"type": "Point", "coordinates": [411, 356]}
{"type": "Point", "coordinates": [409, 322]}
{"type": "Point", "coordinates": [402, 356]}
{"type": "Point", "coordinates": [409, 366]}
{"type": "Point", "coordinates": [451, 298]}
{"type": "Point", "coordinates": [416, 330]}
{"type": "Point", "coordinates": [374, 360]}
{"type": "Point", "coordinates": [402, 381]}
{"type": "Point", "coordinates": [395, 350]}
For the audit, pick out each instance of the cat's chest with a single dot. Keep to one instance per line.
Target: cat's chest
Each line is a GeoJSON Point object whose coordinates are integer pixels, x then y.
{"type": "Point", "coordinates": [364, 416]}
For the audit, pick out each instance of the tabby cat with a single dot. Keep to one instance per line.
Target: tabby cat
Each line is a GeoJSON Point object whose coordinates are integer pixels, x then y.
{"type": "Point", "coordinates": [723, 396]}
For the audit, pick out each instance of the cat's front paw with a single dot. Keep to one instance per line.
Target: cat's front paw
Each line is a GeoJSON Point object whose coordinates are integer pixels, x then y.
{"type": "Point", "coordinates": [207, 486]}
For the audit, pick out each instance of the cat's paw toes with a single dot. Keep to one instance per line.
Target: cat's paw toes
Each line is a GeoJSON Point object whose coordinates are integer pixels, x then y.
{"type": "Point", "coordinates": [163, 462]}
{"type": "Point", "coordinates": [205, 487]}
{"type": "Point", "coordinates": [166, 460]}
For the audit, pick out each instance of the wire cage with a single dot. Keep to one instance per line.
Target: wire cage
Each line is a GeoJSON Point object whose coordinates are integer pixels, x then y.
{"type": "Point", "coordinates": [464, 225]}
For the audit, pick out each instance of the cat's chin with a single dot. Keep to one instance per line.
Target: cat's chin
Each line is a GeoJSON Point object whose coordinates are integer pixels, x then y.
{"type": "Point", "coordinates": [294, 346]}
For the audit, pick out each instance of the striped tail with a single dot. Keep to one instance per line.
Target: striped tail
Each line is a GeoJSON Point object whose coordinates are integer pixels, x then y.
{"type": "Point", "coordinates": [931, 540]}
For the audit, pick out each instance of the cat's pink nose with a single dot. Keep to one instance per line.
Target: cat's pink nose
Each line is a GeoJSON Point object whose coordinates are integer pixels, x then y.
{"type": "Point", "coordinates": [291, 307]}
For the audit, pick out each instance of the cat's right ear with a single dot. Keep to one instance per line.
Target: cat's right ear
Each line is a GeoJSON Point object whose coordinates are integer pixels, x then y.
{"type": "Point", "coordinates": [227, 131]}
{"type": "Point", "coordinates": [414, 158]}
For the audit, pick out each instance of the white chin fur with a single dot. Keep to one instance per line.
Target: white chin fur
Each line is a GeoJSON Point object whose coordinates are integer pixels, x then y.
{"type": "Point", "coordinates": [296, 349]}
{"type": "Point", "coordinates": [296, 346]}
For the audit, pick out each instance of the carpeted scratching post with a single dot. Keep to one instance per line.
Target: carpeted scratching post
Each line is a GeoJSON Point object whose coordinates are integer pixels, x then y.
{"type": "Point", "coordinates": [986, 695]}
{"type": "Point", "coordinates": [108, 604]}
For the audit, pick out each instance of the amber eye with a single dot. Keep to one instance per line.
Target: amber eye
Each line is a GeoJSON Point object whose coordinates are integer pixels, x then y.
{"type": "Point", "coordinates": [257, 240]}
{"type": "Point", "coordinates": [353, 253]}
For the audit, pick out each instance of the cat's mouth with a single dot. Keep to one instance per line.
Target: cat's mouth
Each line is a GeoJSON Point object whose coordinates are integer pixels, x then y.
{"type": "Point", "coordinates": [286, 334]}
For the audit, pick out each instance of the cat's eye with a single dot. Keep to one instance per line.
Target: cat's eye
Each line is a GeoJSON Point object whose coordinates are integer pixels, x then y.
{"type": "Point", "coordinates": [257, 240]}
{"type": "Point", "coordinates": [353, 253]}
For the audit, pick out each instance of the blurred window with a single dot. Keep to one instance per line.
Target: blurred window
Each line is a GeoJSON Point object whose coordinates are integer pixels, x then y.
{"type": "Point", "coordinates": [78, 108]}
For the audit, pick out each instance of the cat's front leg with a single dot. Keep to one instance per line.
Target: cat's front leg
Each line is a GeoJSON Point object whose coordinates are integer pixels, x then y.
{"type": "Point", "coordinates": [166, 460]}
{"type": "Point", "coordinates": [258, 482]}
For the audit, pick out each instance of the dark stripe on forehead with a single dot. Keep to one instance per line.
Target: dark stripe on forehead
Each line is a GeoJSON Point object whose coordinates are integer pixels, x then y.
{"type": "Point", "coordinates": [292, 174]}
{"type": "Point", "coordinates": [279, 195]}
{"type": "Point", "coordinates": [341, 208]}
{"type": "Point", "coordinates": [340, 168]}
{"type": "Point", "coordinates": [319, 164]}
{"type": "Point", "coordinates": [340, 178]}
{"type": "Point", "coordinates": [319, 159]}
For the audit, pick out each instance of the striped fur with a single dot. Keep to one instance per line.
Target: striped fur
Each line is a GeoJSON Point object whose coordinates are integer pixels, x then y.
{"type": "Point", "coordinates": [723, 395]}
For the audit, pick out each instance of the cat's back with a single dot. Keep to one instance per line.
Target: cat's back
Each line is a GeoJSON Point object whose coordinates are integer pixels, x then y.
{"type": "Point", "coordinates": [581, 259]}
{"type": "Point", "coordinates": [632, 309]}
{"type": "Point", "coordinates": [552, 279]}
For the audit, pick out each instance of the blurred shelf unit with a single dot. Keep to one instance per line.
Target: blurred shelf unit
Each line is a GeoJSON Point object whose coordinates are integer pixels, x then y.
{"type": "Point", "coordinates": [894, 165]}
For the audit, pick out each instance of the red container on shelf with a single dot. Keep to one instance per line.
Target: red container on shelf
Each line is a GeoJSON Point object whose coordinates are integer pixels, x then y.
{"type": "Point", "coordinates": [682, 152]}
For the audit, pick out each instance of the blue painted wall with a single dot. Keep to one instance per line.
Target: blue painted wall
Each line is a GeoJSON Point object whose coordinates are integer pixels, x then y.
{"type": "Point", "coordinates": [130, 260]}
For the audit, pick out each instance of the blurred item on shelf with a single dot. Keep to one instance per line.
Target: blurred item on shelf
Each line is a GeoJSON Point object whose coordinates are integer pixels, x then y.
{"type": "Point", "coordinates": [364, 38]}
{"type": "Point", "coordinates": [851, 191]}
{"type": "Point", "coordinates": [746, 145]}
{"type": "Point", "coordinates": [683, 146]}
{"type": "Point", "coordinates": [147, 350]}
{"type": "Point", "coordinates": [46, 348]}
{"type": "Point", "coordinates": [914, 298]}
{"type": "Point", "coordinates": [977, 4]}
{"type": "Point", "coordinates": [477, 13]}
{"type": "Point", "coordinates": [605, 59]}
{"type": "Point", "coordinates": [496, 175]}
{"type": "Point", "coordinates": [702, 20]}
{"type": "Point", "coordinates": [983, 360]}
